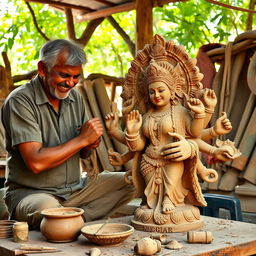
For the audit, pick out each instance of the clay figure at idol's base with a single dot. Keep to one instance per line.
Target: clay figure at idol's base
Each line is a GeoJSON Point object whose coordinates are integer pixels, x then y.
{"type": "Point", "coordinates": [166, 111]}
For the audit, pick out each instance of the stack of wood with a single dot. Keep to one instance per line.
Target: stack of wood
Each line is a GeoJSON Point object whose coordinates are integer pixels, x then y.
{"type": "Point", "coordinates": [235, 90]}
{"type": "Point", "coordinates": [98, 104]}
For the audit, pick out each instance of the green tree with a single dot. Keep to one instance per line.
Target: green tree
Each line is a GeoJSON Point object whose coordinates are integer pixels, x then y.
{"type": "Point", "coordinates": [192, 24]}
{"type": "Point", "coordinates": [197, 22]}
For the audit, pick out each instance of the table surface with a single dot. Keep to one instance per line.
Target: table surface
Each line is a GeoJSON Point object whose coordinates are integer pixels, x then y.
{"type": "Point", "coordinates": [230, 238]}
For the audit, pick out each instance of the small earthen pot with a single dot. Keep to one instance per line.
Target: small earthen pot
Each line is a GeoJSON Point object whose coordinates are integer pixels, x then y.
{"type": "Point", "coordinates": [62, 224]}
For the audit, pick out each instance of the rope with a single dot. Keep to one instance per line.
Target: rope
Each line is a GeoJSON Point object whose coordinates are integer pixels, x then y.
{"type": "Point", "coordinates": [230, 6]}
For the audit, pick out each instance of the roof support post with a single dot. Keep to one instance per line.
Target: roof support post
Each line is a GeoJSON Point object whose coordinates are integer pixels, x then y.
{"type": "Point", "coordinates": [144, 23]}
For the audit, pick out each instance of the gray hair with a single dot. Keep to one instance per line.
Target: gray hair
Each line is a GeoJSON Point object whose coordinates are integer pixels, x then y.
{"type": "Point", "coordinates": [50, 51]}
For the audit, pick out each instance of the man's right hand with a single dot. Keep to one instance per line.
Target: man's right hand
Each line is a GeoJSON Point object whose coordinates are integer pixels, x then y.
{"type": "Point", "coordinates": [91, 131]}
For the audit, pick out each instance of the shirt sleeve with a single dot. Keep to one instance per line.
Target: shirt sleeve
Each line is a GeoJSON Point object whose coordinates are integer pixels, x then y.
{"type": "Point", "coordinates": [22, 123]}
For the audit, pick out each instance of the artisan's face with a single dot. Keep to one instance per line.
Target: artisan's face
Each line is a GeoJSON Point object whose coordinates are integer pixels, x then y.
{"type": "Point", "coordinates": [159, 94]}
{"type": "Point", "coordinates": [61, 78]}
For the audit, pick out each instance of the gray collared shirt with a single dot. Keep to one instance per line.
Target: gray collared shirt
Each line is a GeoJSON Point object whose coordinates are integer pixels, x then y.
{"type": "Point", "coordinates": [27, 115]}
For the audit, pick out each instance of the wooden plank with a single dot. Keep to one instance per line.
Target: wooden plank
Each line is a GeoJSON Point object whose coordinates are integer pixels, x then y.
{"type": "Point", "coordinates": [104, 106]}
{"type": "Point", "coordinates": [247, 144]}
{"type": "Point", "coordinates": [144, 23]}
{"type": "Point", "coordinates": [106, 12]}
{"type": "Point", "coordinates": [61, 4]}
{"type": "Point", "coordinates": [103, 155]}
{"type": "Point", "coordinates": [128, 6]}
{"type": "Point", "coordinates": [230, 238]}
{"type": "Point", "coordinates": [242, 249]}
{"type": "Point", "coordinates": [107, 3]}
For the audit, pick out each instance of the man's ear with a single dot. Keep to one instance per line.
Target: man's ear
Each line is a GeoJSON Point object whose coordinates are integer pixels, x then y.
{"type": "Point", "coordinates": [42, 69]}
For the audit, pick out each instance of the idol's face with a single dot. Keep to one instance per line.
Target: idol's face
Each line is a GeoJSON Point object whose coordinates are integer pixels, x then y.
{"type": "Point", "coordinates": [159, 94]}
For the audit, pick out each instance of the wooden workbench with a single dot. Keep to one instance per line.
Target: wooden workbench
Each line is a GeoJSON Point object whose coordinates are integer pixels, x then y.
{"type": "Point", "coordinates": [230, 238]}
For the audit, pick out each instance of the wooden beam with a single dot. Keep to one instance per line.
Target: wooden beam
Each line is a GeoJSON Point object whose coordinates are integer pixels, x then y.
{"type": "Point", "coordinates": [119, 8]}
{"type": "Point", "coordinates": [144, 23]}
{"type": "Point", "coordinates": [106, 12]}
{"type": "Point", "coordinates": [107, 3]}
{"type": "Point", "coordinates": [51, 2]}
{"type": "Point", "coordinates": [70, 24]}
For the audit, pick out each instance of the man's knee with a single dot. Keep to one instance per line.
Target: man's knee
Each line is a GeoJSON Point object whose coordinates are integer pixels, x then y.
{"type": "Point", "coordinates": [29, 208]}
{"type": "Point", "coordinates": [38, 202]}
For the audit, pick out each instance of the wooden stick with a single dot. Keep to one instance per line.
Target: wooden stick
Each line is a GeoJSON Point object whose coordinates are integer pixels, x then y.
{"type": "Point", "coordinates": [103, 224]}
{"type": "Point", "coordinates": [21, 252]}
{"type": "Point", "coordinates": [35, 247]}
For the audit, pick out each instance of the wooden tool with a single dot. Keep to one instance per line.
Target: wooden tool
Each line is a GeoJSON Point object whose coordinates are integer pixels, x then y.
{"type": "Point", "coordinates": [31, 248]}
{"type": "Point", "coordinates": [103, 224]}
{"type": "Point", "coordinates": [21, 252]}
{"type": "Point", "coordinates": [35, 247]}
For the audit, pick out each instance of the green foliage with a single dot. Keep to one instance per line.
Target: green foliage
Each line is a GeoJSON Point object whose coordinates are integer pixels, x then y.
{"type": "Point", "coordinates": [106, 51]}
{"type": "Point", "coordinates": [19, 37]}
{"type": "Point", "coordinates": [192, 24]}
{"type": "Point", "coordinates": [197, 22]}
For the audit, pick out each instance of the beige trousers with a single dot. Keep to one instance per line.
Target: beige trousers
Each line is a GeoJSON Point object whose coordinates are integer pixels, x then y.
{"type": "Point", "coordinates": [100, 198]}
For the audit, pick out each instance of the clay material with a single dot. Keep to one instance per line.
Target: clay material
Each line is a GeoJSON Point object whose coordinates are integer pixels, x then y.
{"type": "Point", "coordinates": [95, 252]}
{"type": "Point", "coordinates": [62, 224]}
{"type": "Point", "coordinates": [20, 232]}
{"type": "Point", "coordinates": [160, 237]}
{"type": "Point", "coordinates": [203, 237]}
{"type": "Point", "coordinates": [147, 246]}
{"type": "Point", "coordinates": [174, 245]}
{"type": "Point", "coordinates": [107, 233]}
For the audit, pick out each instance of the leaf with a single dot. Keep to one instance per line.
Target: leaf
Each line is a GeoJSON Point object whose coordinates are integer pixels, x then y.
{"type": "Point", "coordinates": [27, 24]}
{"type": "Point", "coordinates": [10, 43]}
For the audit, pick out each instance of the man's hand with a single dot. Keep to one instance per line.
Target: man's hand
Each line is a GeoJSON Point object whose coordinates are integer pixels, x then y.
{"type": "Point", "coordinates": [91, 131]}
{"type": "Point", "coordinates": [177, 151]}
{"type": "Point", "coordinates": [94, 145]}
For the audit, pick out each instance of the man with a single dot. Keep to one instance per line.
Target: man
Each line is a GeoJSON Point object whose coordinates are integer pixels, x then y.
{"type": "Point", "coordinates": [46, 133]}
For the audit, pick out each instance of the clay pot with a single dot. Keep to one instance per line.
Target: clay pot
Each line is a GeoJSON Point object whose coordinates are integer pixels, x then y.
{"type": "Point", "coordinates": [62, 224]}
{"type": "Point", "coordinates": [147, 246]}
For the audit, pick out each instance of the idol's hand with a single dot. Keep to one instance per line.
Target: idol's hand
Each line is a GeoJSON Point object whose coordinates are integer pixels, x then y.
{"type": "Point", "coordinates": [177, 151]}
{"type": "Point", "coordinates": [209, 99]}
{"type": "Point", "coordinates": [133, 122]}
{"type": "Point", "coordinates": [114, 158]}
{"type": "Point", "coordinates": [222, 125]}
{"type": "Point", "coordinates": [196, 105]}
{"type": "Point", "coordinates": [111, 121]}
